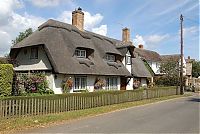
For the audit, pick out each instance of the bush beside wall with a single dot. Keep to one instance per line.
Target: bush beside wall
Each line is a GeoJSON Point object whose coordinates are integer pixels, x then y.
{"type": "Point", "coordinates": [6, 79]}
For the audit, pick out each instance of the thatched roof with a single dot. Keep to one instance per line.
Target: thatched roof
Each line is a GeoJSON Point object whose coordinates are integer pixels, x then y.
{"type": "Point", "coordinates": [147, 54]}
{"type": "Point", "coordinates": [60, 40]}
{"type": "Point", "coordinates": [173, 57]}
{"type": "Point", "coordinates": [139, 69]}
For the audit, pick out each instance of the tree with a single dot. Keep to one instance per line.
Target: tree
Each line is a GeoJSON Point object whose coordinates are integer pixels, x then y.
{"type": "Point", "coordinates": [22, 35]}
{"type": "Point", "coordinates": [196, 69]}
{"type": "Point", "coordinates": [170, 71]}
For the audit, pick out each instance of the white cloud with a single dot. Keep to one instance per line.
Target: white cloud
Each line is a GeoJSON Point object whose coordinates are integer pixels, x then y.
{"type": "Point", "coordinates": [51, 3]}
{"type": "Point", "coordinates": [155, 39]}
{"type": "Point", "coordinates": [91, 22]}
{"type": "Point", "coordinates": [100, 30]}
{"type": "Point", "coordinates": [5, 40]}
{"type": "Point", "coordinates": [150, 41]}
{"type": "Point", "coordinates": [190, 30]}
{"type": "Point", "coordinates": [6, 9]}
{"type": "Point", "coordinates": [12, 23]}
{"type": "Point", "coordinates": [45, 3]}
{"type": "Point", "coordinates": [66, 17]}
{"type": "Point", "coordinates": [138, 40]}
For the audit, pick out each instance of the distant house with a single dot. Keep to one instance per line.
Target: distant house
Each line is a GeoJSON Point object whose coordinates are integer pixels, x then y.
{"type": "Point", "coordinates": [63, 51]}
{"type": "Point", "coordinates": [151, 57]}
{"type": "Point", "coordinates": [140, 71]}
{"type": "Point", "coordinates": [189, 66]}
{"type": "Point", "coordinates": [175, 58]}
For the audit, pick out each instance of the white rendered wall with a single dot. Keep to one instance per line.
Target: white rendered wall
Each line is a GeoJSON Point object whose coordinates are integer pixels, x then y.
{"type": "Point", "coordinates": [128, 67]}
{"type": "Point", "coordinates": [155, 66]}
{"type": "Point", "coordinates": [25, 63]}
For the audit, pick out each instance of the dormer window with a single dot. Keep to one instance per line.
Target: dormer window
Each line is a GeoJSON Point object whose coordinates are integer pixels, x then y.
{"type": "Point", "coordinates": [110, 58]}
{"type": "Point", "coordinates": [80, 53]}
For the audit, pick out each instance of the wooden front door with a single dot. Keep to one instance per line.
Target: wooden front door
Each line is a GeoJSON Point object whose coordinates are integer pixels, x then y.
{"type": "Point", "coordinates": [123, 83]}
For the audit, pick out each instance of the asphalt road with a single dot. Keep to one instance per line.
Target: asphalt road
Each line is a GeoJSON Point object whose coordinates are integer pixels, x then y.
{"type": "Point", "coordinates": [174, 116]}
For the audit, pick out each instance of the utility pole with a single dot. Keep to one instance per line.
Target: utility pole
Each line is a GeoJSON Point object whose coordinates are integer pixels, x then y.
{"type": "Point", "coordinates": [181, 71]}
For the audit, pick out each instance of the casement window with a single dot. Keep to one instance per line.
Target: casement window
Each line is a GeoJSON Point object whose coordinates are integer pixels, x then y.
{"type": "Point", "coordinates": [111, 83]}
{"type": "Point", "coordinates": [80, 53]}
{"type": "Point", "coordinates": [110, 58]}
{"type": "Point", "coordinates": [34, 53]}
{"type": "Point", "coordinates": [128, 59]}
{"type": "Point", "coordinates": [80, 83]}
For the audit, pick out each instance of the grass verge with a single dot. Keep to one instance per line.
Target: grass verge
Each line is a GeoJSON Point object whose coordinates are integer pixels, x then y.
{"type": "Point", "coordinates": [13, 124]}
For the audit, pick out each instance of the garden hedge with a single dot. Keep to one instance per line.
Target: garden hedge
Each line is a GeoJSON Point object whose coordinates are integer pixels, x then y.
{"type": "Point", "coordinates": [6, 79]}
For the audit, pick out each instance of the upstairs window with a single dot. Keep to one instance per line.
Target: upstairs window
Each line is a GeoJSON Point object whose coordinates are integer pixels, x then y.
{"type": "Point", "coordinates": [34, 53]}
{"type": "Point", "coordinates": [128, 58]}
{"type": "Point", "coordinates": [80, 53]}
{"type": "Point", "coordinates": [110, 57]}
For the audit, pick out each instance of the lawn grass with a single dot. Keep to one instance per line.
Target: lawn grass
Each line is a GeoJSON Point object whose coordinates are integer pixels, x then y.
{"type": "Point", "coordinates": [13, 124]}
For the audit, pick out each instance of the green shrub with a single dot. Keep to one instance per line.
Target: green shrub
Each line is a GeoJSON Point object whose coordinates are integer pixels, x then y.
{"type": "Point", "coordinates": [6, 79]}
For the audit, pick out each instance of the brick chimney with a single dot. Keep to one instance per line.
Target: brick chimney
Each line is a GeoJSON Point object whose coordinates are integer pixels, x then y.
{"type": "Point", "coordinates": [140, 46]}
{"type": "Point", "coordinates": [78, 19]}
{"type": "Point", "coordinates": [126, 35]}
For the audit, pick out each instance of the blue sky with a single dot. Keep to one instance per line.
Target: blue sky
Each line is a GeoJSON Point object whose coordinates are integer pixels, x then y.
{"type": "Point", "coordinates": [153, 23]}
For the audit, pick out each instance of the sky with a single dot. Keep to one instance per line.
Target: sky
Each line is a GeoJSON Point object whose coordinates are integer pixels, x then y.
{"type": "Point", "coordinates": [153, 23]}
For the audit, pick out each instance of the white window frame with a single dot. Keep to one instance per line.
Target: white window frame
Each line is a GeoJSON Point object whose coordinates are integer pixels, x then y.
{"type": "Point", "coordinates": [80, 53]}
{"type": "Point", "coordinates": [80, 83]}
{"type": "Point", "coordinates": [111, 83]}
{"type": "Point", "coordinates": [34, 53]}
{"type": "Point", "coordinates": [128, 59]}
{"type": "Point", "coordinates": [110, 57]}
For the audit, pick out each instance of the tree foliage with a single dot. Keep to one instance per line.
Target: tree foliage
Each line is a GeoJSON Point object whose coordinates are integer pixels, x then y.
{"type": "Point", "coordinates": [22, 35]}
{"type": "Point", "coordinates": [170, 71]}
{"type": "Point", "coordinates": [196, 69]}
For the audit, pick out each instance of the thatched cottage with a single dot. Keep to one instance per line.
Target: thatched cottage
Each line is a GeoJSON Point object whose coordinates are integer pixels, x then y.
{"type": "Point", "coordinates": [65, 51]}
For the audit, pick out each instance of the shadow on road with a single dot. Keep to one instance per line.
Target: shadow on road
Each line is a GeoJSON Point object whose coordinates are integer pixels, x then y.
{"type": "Point", "coordinates": [194, 99]}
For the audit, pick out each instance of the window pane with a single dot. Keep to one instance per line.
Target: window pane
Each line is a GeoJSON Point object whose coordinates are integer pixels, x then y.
{"type": "Point", "coordinates": [83, 53]}
{"type": "Point", "coordinates": [128, 59]}
{"type": "Point", "coordinates": [77, 81]}
{"type": "Point", "coordinates": [107, 83]}
{"type": "Point", "coordinates": [83, 83]}
{"type": "Point", "coordinates": [34, 53]}
{"type": "Point", "coordinates": [110, 57]}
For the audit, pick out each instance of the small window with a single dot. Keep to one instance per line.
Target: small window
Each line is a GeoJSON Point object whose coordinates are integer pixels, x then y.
{"type": "Point", "coordinates": [34, 53]}
{"type": "Point", "coordinates": [111, 83]}
{"type": "Point", "coordinates": [110, 58]}
{"type": "Point", "coordinates": [80, 83]}
{"type": "Point", "coordinates": [128, 59]}
{"type": "Point", "coordinates": [80, 53]}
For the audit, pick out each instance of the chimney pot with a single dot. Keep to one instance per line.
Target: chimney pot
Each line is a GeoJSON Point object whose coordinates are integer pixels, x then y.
{"type": "Point", "coordinates": [126, 35]}
{"type": "Point", "coordinates": [78, 19]}
{"type": "Point", "coordinates": [140, 46]}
